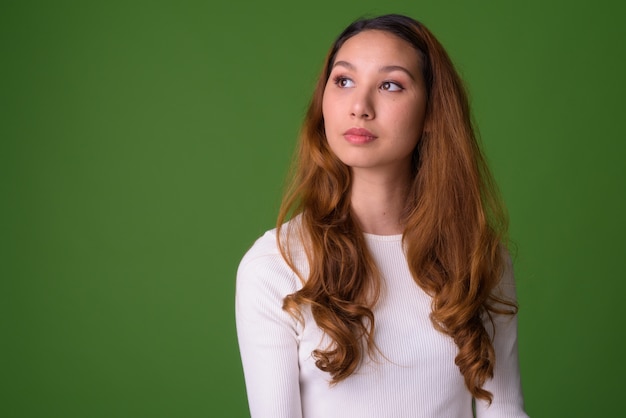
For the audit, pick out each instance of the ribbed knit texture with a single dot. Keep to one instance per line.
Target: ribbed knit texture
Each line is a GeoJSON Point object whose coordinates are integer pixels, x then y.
{"type": "Point", "coordinates": [414, 377]}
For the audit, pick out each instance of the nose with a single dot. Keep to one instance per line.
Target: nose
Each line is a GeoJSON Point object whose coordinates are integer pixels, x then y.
{"type": "Point", "coordinates": [362, 106]}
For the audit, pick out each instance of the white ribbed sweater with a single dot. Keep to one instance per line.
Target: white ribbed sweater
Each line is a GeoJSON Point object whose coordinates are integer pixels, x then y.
{"type": "Point", "coordinates": [416, 377]}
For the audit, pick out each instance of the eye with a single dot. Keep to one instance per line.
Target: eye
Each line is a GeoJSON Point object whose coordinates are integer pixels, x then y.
{"type": "Point", "coordinates": [343, 82]}
{"type": "Point", "coordinates": [391, 86]}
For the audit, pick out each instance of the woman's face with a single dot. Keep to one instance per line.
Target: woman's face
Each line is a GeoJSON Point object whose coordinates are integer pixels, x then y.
{"type": "Point", "coordinates": [374, 102]}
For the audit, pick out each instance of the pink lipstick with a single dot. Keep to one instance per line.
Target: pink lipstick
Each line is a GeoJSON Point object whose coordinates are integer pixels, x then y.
{"type": "Point", "coordinates": [359, 136]}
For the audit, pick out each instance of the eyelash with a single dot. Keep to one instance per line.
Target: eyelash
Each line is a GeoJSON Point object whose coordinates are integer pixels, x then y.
{"type": "Point", "coordinates": [338, 79]}
{"type": "Point", "coordinates": [400, 88]}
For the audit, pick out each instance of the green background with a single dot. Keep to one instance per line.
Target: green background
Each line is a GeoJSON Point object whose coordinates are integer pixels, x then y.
{"type": "Point", "coordinates": [143, 148]}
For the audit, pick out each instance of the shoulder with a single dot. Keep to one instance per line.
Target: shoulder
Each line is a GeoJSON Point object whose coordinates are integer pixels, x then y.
{"type": "Point", "coordinates": [262, 261]}
{"type": "Point", "coordinates": [506, 284]}
{"type": "Point", "coordinates": [503, 300]}
{"type": "Point", "coordinates": [263, 249]}
{"type": "Point", "coordinates": [263, 265]}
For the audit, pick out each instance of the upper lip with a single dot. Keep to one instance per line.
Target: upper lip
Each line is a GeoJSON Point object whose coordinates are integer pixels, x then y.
{"type": "Point", "coordinates": [359, 132]}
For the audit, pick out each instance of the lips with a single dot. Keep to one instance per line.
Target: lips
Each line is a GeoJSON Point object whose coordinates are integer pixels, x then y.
{"type": "Point", "coordinates": [359, 136]}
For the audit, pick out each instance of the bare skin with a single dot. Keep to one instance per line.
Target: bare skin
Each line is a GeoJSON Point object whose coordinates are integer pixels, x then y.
{"type": "Point", "coordinates": [378, 200]}
{"type": "Point", "coordinates": [374, 106]}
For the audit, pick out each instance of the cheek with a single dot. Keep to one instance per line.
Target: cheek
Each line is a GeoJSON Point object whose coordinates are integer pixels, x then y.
{"type": "Point", "coordinates": [328, 118]}
{"type": "Point", "coordinates": [408, 129]}
{"type": "Point", "coordinates": [327, 109]}
{"type": "Point", "coordinates": [413, 121]}
{"type": "Point", "coordinates": [405, 123]}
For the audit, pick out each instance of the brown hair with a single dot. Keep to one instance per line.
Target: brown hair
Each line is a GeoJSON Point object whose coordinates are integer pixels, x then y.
{"type": "Point", "coordinates": [454, 224]}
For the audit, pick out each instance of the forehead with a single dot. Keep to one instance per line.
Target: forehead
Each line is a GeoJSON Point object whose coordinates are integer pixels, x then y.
{"type": "Point", "coordinates": [376, 46]}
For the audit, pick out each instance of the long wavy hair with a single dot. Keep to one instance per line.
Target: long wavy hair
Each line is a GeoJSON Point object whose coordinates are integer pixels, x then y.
{"type": "Point", "coordinates": [454, 225]}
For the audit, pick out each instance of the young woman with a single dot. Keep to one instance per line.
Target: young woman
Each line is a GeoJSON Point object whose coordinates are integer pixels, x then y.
{"type": "Point", "coordinates": [389, 292]}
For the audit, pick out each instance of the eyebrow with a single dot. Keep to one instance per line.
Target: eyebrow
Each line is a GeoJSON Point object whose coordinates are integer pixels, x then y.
{"type": "Point", "coordinates": [390, 68]}
{"type": "Point", "coordinates": [385, 69]}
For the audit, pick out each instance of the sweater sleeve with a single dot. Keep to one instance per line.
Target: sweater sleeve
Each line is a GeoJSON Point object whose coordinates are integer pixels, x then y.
{"type": "Point", "coordinates": [505, 386]}
{"type": "Point", "coordinates": [268, 337]}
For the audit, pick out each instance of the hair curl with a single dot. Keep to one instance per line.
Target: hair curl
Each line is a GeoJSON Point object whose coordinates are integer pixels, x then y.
{"type": "Point", "coordinates": [454, 224]}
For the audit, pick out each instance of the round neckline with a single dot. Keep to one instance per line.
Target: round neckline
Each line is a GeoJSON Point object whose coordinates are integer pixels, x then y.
{"type": "Point", "coordinates": [374, 237]}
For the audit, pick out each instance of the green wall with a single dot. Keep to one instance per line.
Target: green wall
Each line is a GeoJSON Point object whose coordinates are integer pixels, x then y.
{"type": "Point", "coordinates": [143, 147]}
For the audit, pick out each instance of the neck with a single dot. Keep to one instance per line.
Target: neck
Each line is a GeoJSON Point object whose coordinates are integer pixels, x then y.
{"type": "Point", "coordinates": [379, 201]}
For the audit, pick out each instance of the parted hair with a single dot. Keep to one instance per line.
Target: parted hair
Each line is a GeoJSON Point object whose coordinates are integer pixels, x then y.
{"type": "Point", "coordinates": [454, 224]}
